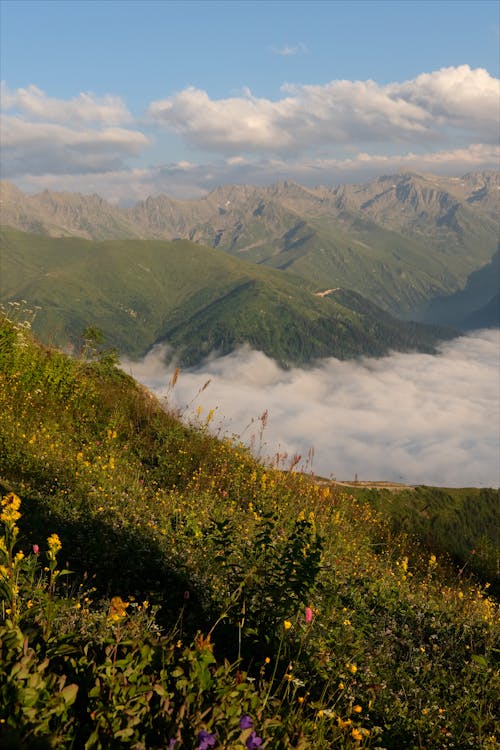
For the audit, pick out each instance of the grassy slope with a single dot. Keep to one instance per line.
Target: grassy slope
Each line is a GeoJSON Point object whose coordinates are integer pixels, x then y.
{"type": "Point", "coordinates": [400, 273]}
{"type": "Point", "coordinates": [196, 298]}
{"type": "Point", "coordinates": [464, 522]}
{"type": "Point", "coordinates": [149, 508]}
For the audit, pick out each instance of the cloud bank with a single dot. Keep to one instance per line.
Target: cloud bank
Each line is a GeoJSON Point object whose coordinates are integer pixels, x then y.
{"type": "Point", "coordinates": [444, 121]}
{"type": "Point", "coordinates": [412, 418]}
{"type": "Point", "coordinates": [51, 137]}
{"type": "Point", "coordinates": [457, 101]}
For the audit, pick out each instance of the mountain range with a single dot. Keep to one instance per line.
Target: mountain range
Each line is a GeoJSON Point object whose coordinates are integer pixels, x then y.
{"type": "Point", "coordinates": [297, 272]}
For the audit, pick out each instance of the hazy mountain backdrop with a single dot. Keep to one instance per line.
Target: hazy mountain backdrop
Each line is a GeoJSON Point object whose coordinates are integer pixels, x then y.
{"type": "Point", "coordinates": [356, 257]}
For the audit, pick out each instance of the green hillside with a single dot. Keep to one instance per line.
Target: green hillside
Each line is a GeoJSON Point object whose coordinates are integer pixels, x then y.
{"type": "Point", "coordinates": [196, 299]}
{"type": "Point", "coordinates": [400, 240]}
{"type": "Point", "coordinates": [464, 522]}
{"type": "Point", "coordinates": [159, 588]}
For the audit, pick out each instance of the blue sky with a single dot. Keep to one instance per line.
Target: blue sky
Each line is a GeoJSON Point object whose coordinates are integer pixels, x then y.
{"type": "Point", "coordinates": [129, 98]}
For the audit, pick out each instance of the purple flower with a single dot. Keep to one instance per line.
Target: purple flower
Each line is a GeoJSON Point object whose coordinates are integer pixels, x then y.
{"type": "Point", "coordinates": [206, 740]}
{"type": "Point", "coordinates": [253, 742]}
{"type": "Point", "coordinates": [246, 722]}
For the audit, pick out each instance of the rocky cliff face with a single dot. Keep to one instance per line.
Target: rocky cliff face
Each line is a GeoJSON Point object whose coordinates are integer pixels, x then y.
{"type": "Point", "coordinates": [403, 201]}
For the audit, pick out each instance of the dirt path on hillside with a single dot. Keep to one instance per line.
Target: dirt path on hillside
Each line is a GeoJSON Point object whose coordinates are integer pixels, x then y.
{"type": "Point", "coordinates": [369, 485]}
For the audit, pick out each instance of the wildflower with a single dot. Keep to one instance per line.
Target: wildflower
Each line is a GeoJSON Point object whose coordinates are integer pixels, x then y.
{"type": "Point", "coordinates": [10, 504]}
{"type": "Point", "coordinates": [117, 608]}
{"type": "Point", "coordinates": [287, 624]}
{"type": "Point", "coordinates": [356, 734]}
{"type": "Point", "coordinates": [186, 596]}
{"type": "Point", "coordinates": [246, 722]}
{"type": "Point", "coordinates": [253, 742]}
{"type": "Point", "coordinates": [357, 709]}
{"type": "Point", "coordinates": [54, 543]}
{"type": "Point", "coordinates": [267, 660]}
{"type": "Point", "coordinates": [309, 615]}
{"type": "Point", "coordinates": [36, 549]}
{"type": "Point", "coordinates": [206, 740]}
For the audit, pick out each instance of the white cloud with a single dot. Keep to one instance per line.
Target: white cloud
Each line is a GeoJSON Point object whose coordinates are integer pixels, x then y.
{"type": "Point", "coordinates": [39, 148]}
{"type": "Point", "coordinates": [451, 103]}
{"type": "Point", "coordinates": [343, 131]}
{"type": "Point", "coordinates": [457, 97]}
{"type": "Point", "coordinates": [290, 50]}
{"type": "Point", "coordinates": [190, 180]}
{"type": "Point", "coordinates": [414, 418]}
{"type": "Point", "coordinates": [82, 109]}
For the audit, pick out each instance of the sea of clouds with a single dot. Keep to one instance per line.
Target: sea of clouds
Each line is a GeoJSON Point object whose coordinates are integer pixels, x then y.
{"type": "Point", "coordinates": [412, 418]}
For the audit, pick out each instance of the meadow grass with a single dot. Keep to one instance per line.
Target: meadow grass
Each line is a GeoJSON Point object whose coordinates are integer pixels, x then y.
{"type": "Point", "coordinates": [160, 588]}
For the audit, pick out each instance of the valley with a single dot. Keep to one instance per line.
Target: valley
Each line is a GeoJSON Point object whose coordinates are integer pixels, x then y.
{"type": "Point", "coordinates": [295, 272]}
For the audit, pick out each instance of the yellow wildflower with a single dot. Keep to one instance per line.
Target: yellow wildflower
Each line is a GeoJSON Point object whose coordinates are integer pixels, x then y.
{"type": "Point", "coordinates": [356, 734]}
{"type": "Point", "coordinates": [54, 543]}
{"type": "Point", "coordinates": [357, 709]}
{"type": "Point", "coordinates": [10, 504]}
{"type": "Point", "coordinates": [117, 609]}
{"type": "Point", "coordinates": [287, 624]}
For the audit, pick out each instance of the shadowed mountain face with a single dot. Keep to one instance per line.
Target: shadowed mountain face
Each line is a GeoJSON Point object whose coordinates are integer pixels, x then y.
{"type": "Point", "coordinates": [400, 240]}
{"type": "Point", "coordinates": [475, 306]}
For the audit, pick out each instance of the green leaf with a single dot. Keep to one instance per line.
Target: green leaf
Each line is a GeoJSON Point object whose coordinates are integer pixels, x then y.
{"type": "Point", "coordinates": [69, 693]}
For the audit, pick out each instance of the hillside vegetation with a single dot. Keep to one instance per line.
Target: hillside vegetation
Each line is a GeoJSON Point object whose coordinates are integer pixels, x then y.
{"type": "Point", "coordinates": [400, 240]}
{"type": "Point", "coordinates": [196, 299]}
{"type": "Point", "coordinates": [160, 588]}
{"type": "Point", "coordinates": [463, 522]}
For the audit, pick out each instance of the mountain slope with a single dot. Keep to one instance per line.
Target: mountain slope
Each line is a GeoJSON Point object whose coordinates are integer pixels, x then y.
{"type": "Point", "coordinates": [160, 583]}
{"type": "Point", "coordinates": [474, 306]}
{"type": "Point", "coordinates": [401, 240]}
{"type": "Point", "coordinates": [196, 299]}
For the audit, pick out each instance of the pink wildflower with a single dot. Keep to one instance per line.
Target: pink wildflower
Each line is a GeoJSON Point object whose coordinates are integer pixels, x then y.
{"type": "Point", "coordinates": [309, 615]}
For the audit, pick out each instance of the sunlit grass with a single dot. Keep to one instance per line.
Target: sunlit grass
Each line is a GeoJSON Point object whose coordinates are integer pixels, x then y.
{"type": "Point", "coordinates": [212, 598]}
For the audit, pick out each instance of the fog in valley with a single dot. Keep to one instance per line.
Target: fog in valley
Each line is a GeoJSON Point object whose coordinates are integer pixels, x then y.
{"type": "Point", "coordinates": [412, 418]}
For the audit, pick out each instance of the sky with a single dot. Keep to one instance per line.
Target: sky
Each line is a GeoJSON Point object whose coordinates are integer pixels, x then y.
{"type": "Point", "coordinates": [410, 418]}
{"type": "Point", "coordinates": [127, 99]}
